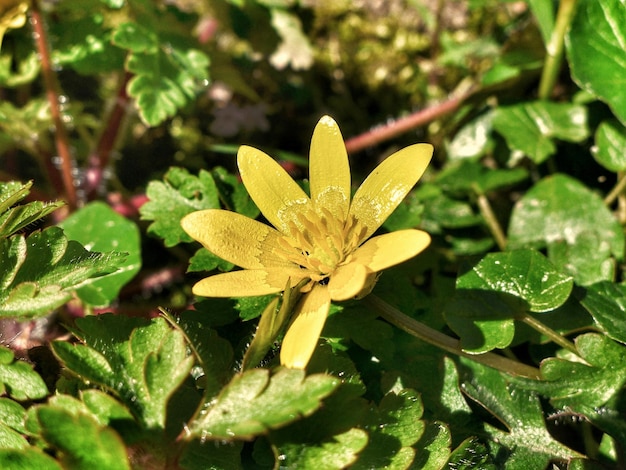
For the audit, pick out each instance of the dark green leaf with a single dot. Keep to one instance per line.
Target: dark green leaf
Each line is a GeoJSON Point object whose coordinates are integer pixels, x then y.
{"type": "Point", "coordinates": [472, 177]}
{"type": "Point", "coordinates": [233, 193]}
{"type": "Point", "coordinates": [529, 128]}
{"type": "Point", "coordinates": [254, 402]}
{"type": "Point", "coordinates": [606, 302]}
{"type": "Point", "coordinates": [540, 219]}
{"type": "Point", "coordinates": [597, 52]}
{"type": "Point", "coordinates": [573, 383]}
{"type": "Point", "coordinates": [179, 194]}
{"type": "Point", "coordinates": [204, 260]}
{"type": "Point", "coordinates": [470, 454]}
{"type": "Point", "coordinates": [29, 458]}
{"type": "Point", "coordinates": [131, 357]}
{"type": "Point", "coordinates": [100, 228]}
{"type": "Point", "coordinates": [520, 412]}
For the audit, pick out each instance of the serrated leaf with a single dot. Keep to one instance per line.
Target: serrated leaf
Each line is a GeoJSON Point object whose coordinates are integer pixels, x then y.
{"type": "Point", "coordinates": [17, 70]}
{"type": "Point", "coordinates": [572, 384]}
{"type": "Point", "coordinates": [82, 442]}
{"type": "Point", "coordinates": [393, 428]}
{"type": "Point", "coordinates": [470, 454]}
{"type": "Point", "coordinates": [179, 194]}
{"type": "Point", "coordinates": [166, 80]}
{"type": "Point", "coordinates": [136, 37]}
{"type": "Point", "coordinates": [606, 302]}
{"type": "Point", "coordinates": [530, 127]}
{"type": "Point", "coordinates": [610, 142]}
{"type": "Point", "coordinates": [254, 402]}
{"type": "Point", "coordinates": [597, 52]}
{"type": "Point", "coordinates": [100, 228]}
{"type": "Point", "coordinates": [84, 44]}
{"type": "Point", "coordinates": [204, 260]}
{"type": "Point", "coordinates": [12, 192]}
{"type": "Point", "coordinates": [18, 379]}
{"type": "Point", "coordinates": [21, 216]}
{"type": "Point", "coordinates": [529, 443]}
{"type": "Point", "coordinates": [336, 453]}
{"type": "Point", "coordinates": [12, 425]}
{"type": "Point", "coordinates": [130, 357]}
{"type": "Point", "coordinates": [49, 270]}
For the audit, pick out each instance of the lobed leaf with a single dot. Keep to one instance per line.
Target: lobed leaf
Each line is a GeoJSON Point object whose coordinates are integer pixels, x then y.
{"type": "Point", "coordinates": [130, 357]}
{"type": "Point", "coordinates": [254, 402]}
{"type": "Point", "coordinates": [18, 379]}
{"type": "Point", "coordinates": [606, 302]}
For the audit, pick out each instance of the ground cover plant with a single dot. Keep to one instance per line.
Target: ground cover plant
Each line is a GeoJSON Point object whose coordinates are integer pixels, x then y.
{"type": "Point", "coordinates": [312, 234]}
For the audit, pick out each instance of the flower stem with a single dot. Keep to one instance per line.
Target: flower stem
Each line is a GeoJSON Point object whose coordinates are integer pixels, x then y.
{"type": "Point", "coordinates": [402, 125]}
{"type": "Point", "coordinates": [549, 332]}
{"type": "Point", "coordinates": [51, 85]}
{"type": "Point", "coordinates": [554, 48]}
{"type": "Point", "coordinates": [490, 218]}
{"type": "Point", "coordinates": [447, 343]}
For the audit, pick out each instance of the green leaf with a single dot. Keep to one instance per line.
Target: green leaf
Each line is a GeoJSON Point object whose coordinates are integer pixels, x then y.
{"type": "Point", "coordinates": [130, 357]}
{"type": "Point", "coordinates": [606, 302]}
{"type": "Point", "coordinates": [44, 270]}
{"type": "Point", "coordinates": [254, 402]}
{"type": "Point", "coordinates": [82, 442]}
{"type": "Point", "coordinates": [29, 458]}
{"type": "Point", "coordinates": [526, 274]}
{"type": "Point", "coordinates": [519, 410]}
{"type": "Point", "coordinates": [610, 145]}
{"type": "Point", "coordinates": [472, 177]}
{"type": "Point", "coordinates": [597, 52]}
{"type": "Point", "coordinates": [473, 139]}
{"type": "Point", "coordinates": [336, 453]}
{"type": "Point", "coordinates": [84, 43]}
{"type": "Point", "coordinates": [573, 384]}
{"type": "Point", "coordinates": [233, 193]}
{"type": "Point", "coordinates": [222, 456]}
{"type": "Point", "coordinates": [100, 228]}
{"type": "Point", "coordinates": [543, 11]}
{"type": "Point", "coordinates": [529, 128]}
{"type": "Point", "coordinates": [204, 260]}
{"type": "Point", "coordinates": [499, 289]}
{"type": "Point", "coordinates": [17, 70]}
{"type": "Point", "coordinates": [584, 224]}
{"type": "Point", "coordinates": [433, 448]}
{"type": "Point", "coordinates": [179, 194]}
{"type": "Point", "coordinates": [12, 425]}
{"type": "Point", "coordinates": [470, 454]}
{"type": "Point", "coordinates": [393, 428]}
{"type": "Point", "coordinates": [18, 379]}
{"type": "Point", "coordinates": [13, 219]}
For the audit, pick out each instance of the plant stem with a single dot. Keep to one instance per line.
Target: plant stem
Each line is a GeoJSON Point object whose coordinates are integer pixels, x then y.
{"type": "Point", "coordinates": [101, 155]}
{"type": "Point", "coordinates": [549, 332]}
{"type": "Point", "coordinates": [402, 125]}
{"type": "Point", "coordinates": [554, 48]}
{"type": "Point", "coordinates": [490, 218]}
{"type": "Point", "coordinates": [51, 85]}
{"type": "Point", "coordinates": [617, 189]}
{"type": "Point", "coordinates": [447, 343]}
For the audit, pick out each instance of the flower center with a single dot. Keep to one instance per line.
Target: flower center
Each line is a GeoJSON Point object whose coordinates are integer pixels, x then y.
{"type": "Point", "coordinates": [321, 242]}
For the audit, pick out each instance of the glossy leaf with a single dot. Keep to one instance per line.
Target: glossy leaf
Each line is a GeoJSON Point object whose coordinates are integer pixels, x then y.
{"type": "Point", "coordinates": [597, 52]}
{"type": "Point", "coordinates": [254, 402]}
{"type": "Point", "coordinates": [530, 128]}
{"type": "Point", "coordinates": [609, 146]}
{"type": "Point", "coordinates": [130, 357]}
{"type": "Point", "coordinates": [540, 219]}
{"type": "Point", "coordinates": [100, 228]}
{"type": "Point", "coordinates": [606, 302]}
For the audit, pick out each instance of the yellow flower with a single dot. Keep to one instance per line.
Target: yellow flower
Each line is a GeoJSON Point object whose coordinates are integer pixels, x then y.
{"type": "Point", "coordinates": [322, 238]}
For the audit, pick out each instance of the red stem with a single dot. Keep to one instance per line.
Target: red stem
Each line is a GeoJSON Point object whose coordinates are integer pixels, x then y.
{"type": "Point", "coordinates": [100, 157]}
{"type": "Point", "coordinates": [402, 125]}
{"type": "Point", "coordinates": [51, 84]}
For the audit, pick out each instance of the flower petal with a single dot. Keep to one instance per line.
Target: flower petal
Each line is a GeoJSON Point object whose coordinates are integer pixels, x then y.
{"type": "Point", "coordinates": [304, 332]}
{"type": "Point", "coordinates": [245, 283]}
{"type": "Point", "coordinates": [237, 238]}
{"type": "Point", "coordinates": [329, 170]}
{"type": "Point", "coordinates": [389, 249]}
{"type": "Point", "coordinates": [275, 193]}
{"type": "Point", "coordinates": [347, 281]}
{"type": "Point", "coordinates": [388, 184]}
